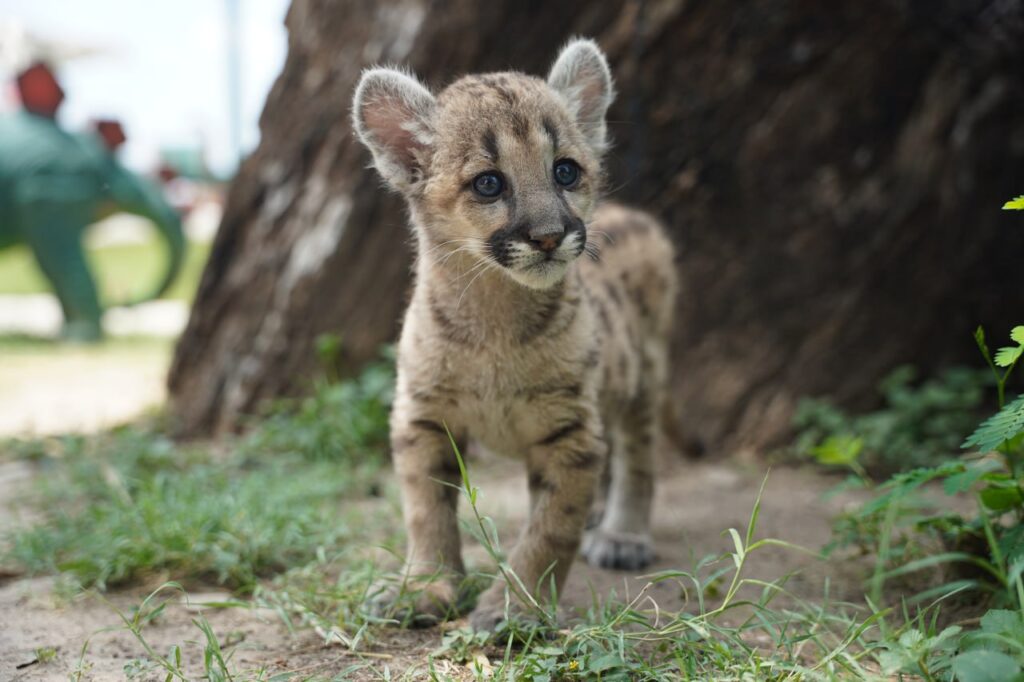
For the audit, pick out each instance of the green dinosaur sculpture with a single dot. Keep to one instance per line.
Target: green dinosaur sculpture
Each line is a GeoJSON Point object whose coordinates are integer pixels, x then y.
{"type": "Point", "coordinates": [53, 184]}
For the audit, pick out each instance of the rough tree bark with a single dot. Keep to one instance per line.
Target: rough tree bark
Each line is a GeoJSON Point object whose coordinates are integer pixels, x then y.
{"type": "Point", "coordinates": [832, 173]}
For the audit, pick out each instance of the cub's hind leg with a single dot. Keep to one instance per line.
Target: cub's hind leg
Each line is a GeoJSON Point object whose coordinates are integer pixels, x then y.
{"type": "Point", "coordinates": [622, 540]}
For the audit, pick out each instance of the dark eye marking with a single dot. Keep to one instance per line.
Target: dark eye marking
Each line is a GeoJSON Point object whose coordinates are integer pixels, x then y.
{"type": "Point", "coordinates": [567, 173]}
{"type": "Point", "coordinates": [490, 143]}
{"type": "Point", "coordinates": [551, 130]}
{"type": "Point", "coordinates": [488, 185]}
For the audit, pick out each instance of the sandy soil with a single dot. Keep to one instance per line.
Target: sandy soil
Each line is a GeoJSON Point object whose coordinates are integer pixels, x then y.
{"type": "Point", "coordinates": [49, 387]}
{"type": "Point", "coordinates": [84, 389]}
{"type": "Point", "coordinates": [695, 503]}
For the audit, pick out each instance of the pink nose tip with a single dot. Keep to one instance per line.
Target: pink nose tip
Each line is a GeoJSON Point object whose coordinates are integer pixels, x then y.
{"type": "Point", "coordinates": [546, 244]}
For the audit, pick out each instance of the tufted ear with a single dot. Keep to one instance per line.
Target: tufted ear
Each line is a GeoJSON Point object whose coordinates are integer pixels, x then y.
{"type": "Point", "coordinates": [581, 76]}
{"type": "Point", "coordinates": [393, 116]}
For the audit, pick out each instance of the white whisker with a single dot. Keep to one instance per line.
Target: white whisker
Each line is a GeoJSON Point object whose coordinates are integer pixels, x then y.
{"type": "Point", "coordinates": [446, 243]}
{"type": "Point", "coordinates": [470, 271]}
{"type": "Point", "coordinates": [462, 249]}
{"type": "Point", "coordinates": [487, 267]}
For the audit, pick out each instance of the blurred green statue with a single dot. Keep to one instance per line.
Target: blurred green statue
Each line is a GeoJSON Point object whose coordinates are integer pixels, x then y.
{"type": "Point", "coordinates": [54, 184]}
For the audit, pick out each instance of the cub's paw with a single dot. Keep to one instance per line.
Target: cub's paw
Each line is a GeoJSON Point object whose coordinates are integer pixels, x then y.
{"type": "Point", "coordinates": [494, 614]}
{"type": "Point", "coordinates": [414, 603]}
{"type": "Point", "coordinates": [623, 551]}
{"type": "Point", "coordinates": [486, 618]}
{"type": "Point", "coordinates": [496, 619]}
{"type": "Point", "coordinates": [492, 610]}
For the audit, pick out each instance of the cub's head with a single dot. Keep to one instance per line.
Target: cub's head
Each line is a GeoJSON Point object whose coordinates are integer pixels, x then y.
{"type": "Point", "coordinates": [502, 168]}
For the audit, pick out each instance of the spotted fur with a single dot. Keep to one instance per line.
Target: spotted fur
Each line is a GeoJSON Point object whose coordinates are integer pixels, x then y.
{"type": "Point", "coordinates": [511, 337]}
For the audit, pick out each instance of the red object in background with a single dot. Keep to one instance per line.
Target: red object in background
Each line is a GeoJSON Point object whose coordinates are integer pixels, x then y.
{"type": "Point", "coordinates": [112, 133]}
{"type": "Point", "coordinates": [166, 173]}
{"type": "Point", "coordinates": [39, 90]}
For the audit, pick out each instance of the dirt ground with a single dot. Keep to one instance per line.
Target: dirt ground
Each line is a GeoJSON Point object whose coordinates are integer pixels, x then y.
{"type": "Point", "coordinates": [695, 503]}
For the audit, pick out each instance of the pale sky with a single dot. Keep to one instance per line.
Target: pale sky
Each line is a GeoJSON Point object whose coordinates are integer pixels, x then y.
{"type": "Point", "coordinates": [163, 68]}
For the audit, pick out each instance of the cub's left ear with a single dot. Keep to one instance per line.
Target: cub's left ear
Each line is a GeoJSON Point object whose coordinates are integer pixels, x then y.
{"type": "Point", "coordinates": [581, 76]}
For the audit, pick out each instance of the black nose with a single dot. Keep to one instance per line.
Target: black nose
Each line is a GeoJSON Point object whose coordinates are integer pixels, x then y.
{"type": "Point", "coordinates": [546, 239]}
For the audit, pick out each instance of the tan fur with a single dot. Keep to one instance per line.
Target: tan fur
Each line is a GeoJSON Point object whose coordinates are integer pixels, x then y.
{"type": "Point", "coordinates": [553, 361]}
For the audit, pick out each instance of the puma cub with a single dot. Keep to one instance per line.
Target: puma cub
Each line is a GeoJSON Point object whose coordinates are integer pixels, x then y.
{"type": "Point", "coordinates": [511, 338]}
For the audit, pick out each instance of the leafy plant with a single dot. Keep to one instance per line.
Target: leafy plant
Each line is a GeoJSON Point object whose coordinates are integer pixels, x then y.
{"type": "Point", "coordinates": [1014, 204]}
{"type": "Point", "coordinates": [992, 653]}
{"type": "Point", "coordinates": [919, 424]}
{"type": "Point", "coordinates": [909, 533]}
{"type": "Point", "coordinates": [918, 653]}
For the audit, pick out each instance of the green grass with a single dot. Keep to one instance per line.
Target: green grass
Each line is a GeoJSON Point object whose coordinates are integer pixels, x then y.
{"type": "Point", "coordinates": [124, 271]}
{"type": "Point", "coordinates": [730, 628]}
{"type": "Point", "coordinates": [283, 516]}
{"type": "Point", "coordinates": [131, 503]}
{"type": "Point", "coordinates": [216, 663]}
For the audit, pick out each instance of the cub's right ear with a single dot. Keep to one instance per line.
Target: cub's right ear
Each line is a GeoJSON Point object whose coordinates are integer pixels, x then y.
{"type": "Point", "coordinates": [393, 116]}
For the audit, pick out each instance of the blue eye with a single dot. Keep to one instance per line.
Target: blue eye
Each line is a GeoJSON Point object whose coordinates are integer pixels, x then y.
{"type": "Point", "coordinates": [488, 185]}
{"type": "Point", "coordinates": [567, 173]}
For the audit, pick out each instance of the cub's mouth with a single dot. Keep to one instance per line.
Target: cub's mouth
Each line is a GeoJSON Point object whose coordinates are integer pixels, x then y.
{"type": "Point", "coordinates": [538, 256]}
{"type": "Point", "coordinates": [540, 268]}
{"type": "Point", "coordinates": [569, 250]}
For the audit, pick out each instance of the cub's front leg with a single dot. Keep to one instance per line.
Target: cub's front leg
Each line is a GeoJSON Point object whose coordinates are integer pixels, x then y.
{"type": "Point", "coordinates": [563, 470]}
{"type": "Point", "coordinates": [429, 480]}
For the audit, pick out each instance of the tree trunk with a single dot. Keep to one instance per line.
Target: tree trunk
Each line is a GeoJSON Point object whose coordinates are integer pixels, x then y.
{"type": "Point", "coordinates": [831, 172]}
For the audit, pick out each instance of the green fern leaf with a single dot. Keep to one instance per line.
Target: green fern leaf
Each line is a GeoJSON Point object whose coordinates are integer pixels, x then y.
{"type": "Point", "coordinates": [1008, 355]}
{"type": "Point", "coordinates": [1017, 334]}
{"type": "Point", "coordinates": [1015, 204]}
{"type": "Point", "coordinates": [999, 428]}
{"type": "Point", "coordinates": [841, 450]}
